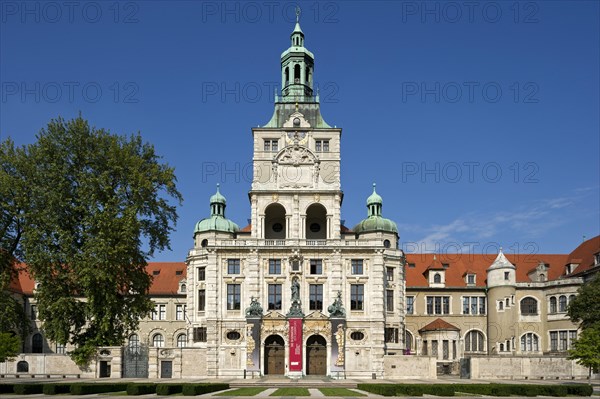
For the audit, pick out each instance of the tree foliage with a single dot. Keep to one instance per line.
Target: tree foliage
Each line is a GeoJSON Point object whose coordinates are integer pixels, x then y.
{"type": "Point", "coordinates": [585, 308]}
{"type": "Point", "coordinates": [586, 349]}
{"type": "Point", "coordinates": [97, 207]}
{"type": "Point", "coordinates": [10, 346]}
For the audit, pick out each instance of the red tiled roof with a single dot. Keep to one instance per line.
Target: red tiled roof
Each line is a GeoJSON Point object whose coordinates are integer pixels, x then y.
{"type": "Point", "coordinates": [246, 229]}
{"type": "Point", "coordinates": [164, 283]}
{"type": "Point", "coordinates": [461, 264]}
{"type": "Point", "coordinates": [344, 229]}
{"type": "Point", "coordinates": [439, 325]}
{"type": "Point", "coordinates": [584, 254]}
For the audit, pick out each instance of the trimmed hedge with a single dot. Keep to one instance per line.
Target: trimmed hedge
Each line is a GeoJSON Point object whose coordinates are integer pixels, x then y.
{"type": "Point", "coordinates": [168, 389]}
{"type": "Point", "coordinates": [493, 389]}
{"type": "Point", "coordinates": [28, 389]}
{"type": "Point", "coordinates": [199, 389]}
{"type": "Point", "coordinates": [55, 389]}
{"type": "Point", "coordinates": [140, 389]}
{"type": "Point", "coordinates": [86, 389]}
{"type": "Point", "coordinates": [7, 388]}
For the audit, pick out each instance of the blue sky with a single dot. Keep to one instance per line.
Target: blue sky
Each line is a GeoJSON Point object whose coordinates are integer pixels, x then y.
{"type": "Point", "coordinates": [479, 121]}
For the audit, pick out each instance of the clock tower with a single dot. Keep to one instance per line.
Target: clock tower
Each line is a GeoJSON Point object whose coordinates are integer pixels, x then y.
{"type": "Point", "coordinates": [296, 192]}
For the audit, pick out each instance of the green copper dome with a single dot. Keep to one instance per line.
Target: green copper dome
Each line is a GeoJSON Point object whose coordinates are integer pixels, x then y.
{"type": "Point", "coordinates": [374, 221]}
{"type": "Point", "coordinates": [374, 198]}
{"type": "Point", "coordinates": [217, 220]}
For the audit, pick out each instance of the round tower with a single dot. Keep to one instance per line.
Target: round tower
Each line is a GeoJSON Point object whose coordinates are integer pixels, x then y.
{"type": "Point", "coordinates": [502, 306]}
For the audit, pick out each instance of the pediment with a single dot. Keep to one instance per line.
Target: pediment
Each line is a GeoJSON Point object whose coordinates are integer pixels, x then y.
{"type": "Point", "coordinates": [316, 315]}
{"type": "Point", "coordinates": [296, 120]}
{"type": "Point", "coordinates": [274, 316]}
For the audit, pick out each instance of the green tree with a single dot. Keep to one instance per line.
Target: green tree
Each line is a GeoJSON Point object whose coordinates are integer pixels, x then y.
{"type": "Point", "coordinates": [585, 308]}
{"type": "Point", "coordinates": [97, 207]}
{"type": "Point", "coordinates": [10, 346]}
{"type": "Point", "coordinates": [13, 319]}
{"type": "Point", "coordinates": [586, 349]}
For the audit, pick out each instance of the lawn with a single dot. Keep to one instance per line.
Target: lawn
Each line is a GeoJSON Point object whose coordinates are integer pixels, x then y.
{"type": "Point", "coordinates": [250, 391]}
{"type": "Point", "coordinates": [291, 392]}
{"type": "Point", "coordinates": [340, 392]}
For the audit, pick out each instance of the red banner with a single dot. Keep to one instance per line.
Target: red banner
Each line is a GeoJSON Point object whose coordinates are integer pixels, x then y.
{"type": "Point", "coordinates": [295, 344]}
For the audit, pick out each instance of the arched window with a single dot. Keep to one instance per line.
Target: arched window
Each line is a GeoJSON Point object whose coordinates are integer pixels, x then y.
{"type": "Point", "coordinates": [134, 341]}
{"type": "Point", "coordinates": [562, 303]}
{"type": "Point", "coordinates": [530, 342]}
{"type": "Point", "coordinates": [297, 73]}
{"type": "Point", "coordinates": [552, 305]}
{"type": "Point", "coordinates": [183, 288]}
{"type": "Point", "coordinates": [474, 341]}
{"type": "Point", "coordinates": [571, 297]}
{"type": "Point", "coordinates": [158, 341]}
{"type": "Point", "coordinates": [37, 343]}
{"type": "Point", "coordinates": [181, 341]}
{"type": "Point", "coordinates": [529, 306]}
{"type": "Point", "coordinates": [22, 367]}
{"type": "Point", "coordinates": [408, 341]}
{"type": "Point", "coordinates": [437, 279]}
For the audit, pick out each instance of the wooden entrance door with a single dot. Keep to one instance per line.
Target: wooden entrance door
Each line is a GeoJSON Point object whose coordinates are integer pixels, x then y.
{"type": "Point", "coordinates": [274, 355]}
{"type": "Point", "coordinates": [316, 355]}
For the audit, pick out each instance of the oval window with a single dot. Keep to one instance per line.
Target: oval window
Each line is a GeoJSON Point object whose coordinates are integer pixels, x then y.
{"type": "Point", "coordinates": [233, 335]}
{"type": "Point", "coordinates": [357, 335]}
{"type": "Point", "coordinates": [315, 227]}
{"type": "Point", "coordinates": [204, 243]}
{"type": "Point", "coordinates": [277, 227]}
{"type": "Point", "coordinates": [386, 243]}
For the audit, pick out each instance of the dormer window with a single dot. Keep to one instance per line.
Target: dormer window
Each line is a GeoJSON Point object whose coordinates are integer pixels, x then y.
{"type": "Point", "coordinates": [597, 259]}
{"type": "Point", "coordinates": [155, 272]}
{"type": "Point", "coordinates": [445, 265]}
{"type": "Point", "coordinates": [470, 279]}
{"type": "Point", "coordinates": [437, 278]}
{"type": "Point", "coordinates": [183, 286]}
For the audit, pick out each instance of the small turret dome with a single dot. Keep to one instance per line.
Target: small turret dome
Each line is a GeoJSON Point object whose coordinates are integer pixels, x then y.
{"type": "Point", "coordinates": [374, 221]}
{"type": "Point", "coordinates": [374, 198]}
{"type": "Point", "coordinates": [217, 220]}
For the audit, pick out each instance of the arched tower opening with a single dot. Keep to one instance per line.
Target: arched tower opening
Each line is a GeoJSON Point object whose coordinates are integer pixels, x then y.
{"type": "Point", "coordinates": [275, 223]}
{"type": "Point", "coordinates": [316, 222]}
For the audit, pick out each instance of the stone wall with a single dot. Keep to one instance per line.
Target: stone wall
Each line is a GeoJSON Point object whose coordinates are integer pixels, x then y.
{"type": "Point", "coordinates": [400, 367]}
{"type": "Point", "coordinates": [534, 367]}
{"type": "Point", "coordinates": [44, 364]}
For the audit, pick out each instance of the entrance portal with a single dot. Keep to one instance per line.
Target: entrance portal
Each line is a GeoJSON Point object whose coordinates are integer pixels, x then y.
{"type": "Point", "coordinates": [316, 355]}
{"type": "Point", "coordinates": [274, 355]}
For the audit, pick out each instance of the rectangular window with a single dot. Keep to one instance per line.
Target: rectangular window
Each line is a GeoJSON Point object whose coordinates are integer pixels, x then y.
{"type": "Point", "coordinates": [471, 279]}
{"type": "Point", "coordinates": [201, 273]}
{"type": "Point", "coordinates": [411, 265]}
{"type": "Point", "coordinates": [274, 266]}
{"type": "Point", "coordinates": [438, 304]}
{"type": "Point", "coordinates": [61, 349]}
{"type": "Point", "coordinates": [563, 340]}
{"type": "Point", "coordinates": [553, 340]}
{"type": "Point", "coordinates": [233, 266]}
{"type": "Point", "coordinates": [410, 305]}
{"type": "Point", "coordinates": [357, 292]}
{"type": "Point", "coordinates": [357, 266]}
{"type": "Point", "coordinates": [434, 348]}
{"type": "Point", "coordinates": [391, 335]}
{"type": "Point", "coordinates": [271, 145]}
{"type": "Point", "coordinates": [316, 266]}
{"type": "Point", "coordinates": [389, 273]}
{"type": "Point", "coordinates": [180, 312]}
{"type": "Point", "coordinates": [572, 337]}
{"type": "Point", "coordinates": [474, 305]}
{"type": "Point", "coordinates": [506, 275]}
{"type": "Point", "coordinates": [316, 296]}
{"type": "Point", "coordinates": [34, 312]}
{"type": "Point", "coordinates": [274, 296]}
{"type": "Point", "coordinates": [424, 350]}
{"type": "Point", "coordinates": [322, 145]}
{"type": "Point", "coordinates": [159, 312]}
{"type": "Point", "coordinates": [201, 300]}
{"type": "Point", "coordinates": [445, 349]}
{"type": "Point", "coordinates": [233, 296]}
{"type": "Point", "coordinates": [200, 334]}
{"type": "Point", "coordinates": [389, 300]}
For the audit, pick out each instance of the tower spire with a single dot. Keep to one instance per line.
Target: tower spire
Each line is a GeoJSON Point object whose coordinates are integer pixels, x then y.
{"type": "Point", "coordinates": [297, 65]}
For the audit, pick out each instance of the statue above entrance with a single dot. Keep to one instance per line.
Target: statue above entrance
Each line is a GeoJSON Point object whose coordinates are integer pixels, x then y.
{"type": "Point", "coordinates": [254, 310]}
